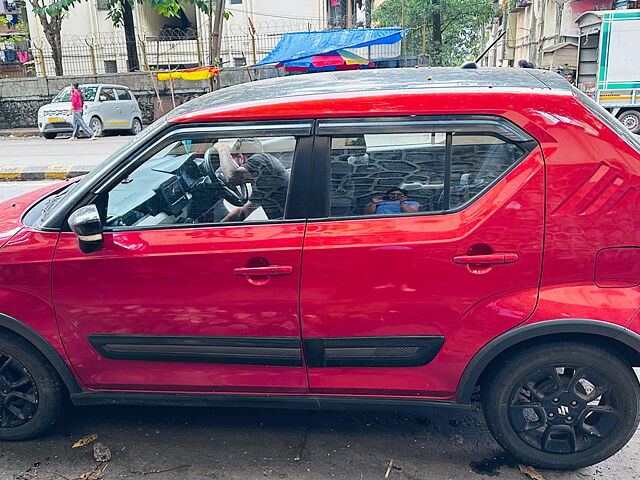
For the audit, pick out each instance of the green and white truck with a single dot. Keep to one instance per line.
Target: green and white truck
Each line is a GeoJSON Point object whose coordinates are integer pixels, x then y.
{"type": "Point", "coordinates": [609, 62]}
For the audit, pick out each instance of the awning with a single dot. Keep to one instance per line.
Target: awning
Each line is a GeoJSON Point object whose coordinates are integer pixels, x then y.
{"type": "Point", "coordinates": [192, 74]}
{"type": "Point", "coordinates": [293, 46]}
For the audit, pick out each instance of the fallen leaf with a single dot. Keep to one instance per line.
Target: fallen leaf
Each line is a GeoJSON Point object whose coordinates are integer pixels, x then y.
{"type": "Point", "coordinates": [101, 452]}
{"type": "Point", "coordinates": [531, 472]}
{"type": "Point", "coordinates": [85, 441]}
{"type": "Point", "coordinates": [95, 474]}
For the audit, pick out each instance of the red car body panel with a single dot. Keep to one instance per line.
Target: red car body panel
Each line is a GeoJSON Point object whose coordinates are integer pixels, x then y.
{"type": "Point", "coordinates": [570, 198]}
{"type": "Point", "coordinates": [401, 271]}
{"type": "Point", "coordinates": [132, 286]}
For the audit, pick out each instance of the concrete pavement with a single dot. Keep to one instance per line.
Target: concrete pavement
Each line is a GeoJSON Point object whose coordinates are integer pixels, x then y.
{"type": "Point", "coordinates": [36, 158]}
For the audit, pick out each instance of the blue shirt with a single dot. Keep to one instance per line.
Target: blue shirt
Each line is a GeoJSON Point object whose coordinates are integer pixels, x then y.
{"type": "Point", "coordinates": [393, 207]}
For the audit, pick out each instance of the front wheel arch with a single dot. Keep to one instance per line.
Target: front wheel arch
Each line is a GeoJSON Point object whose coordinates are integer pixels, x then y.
{"type": "Point", "coordinates": [16, 327]}
{"type": "Point", "coordinates": [617, 339]}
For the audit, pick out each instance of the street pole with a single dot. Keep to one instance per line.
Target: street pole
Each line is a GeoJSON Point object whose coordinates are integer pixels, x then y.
{"type": "Point", "coordinates": [210, 33]}
{"type": "Point", "coordinates": [349, 9]}
{"type": "Point", "coordinates": [404, 40]}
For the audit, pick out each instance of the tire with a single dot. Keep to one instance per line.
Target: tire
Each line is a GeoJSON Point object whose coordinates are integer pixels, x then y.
{"type": "Point", "coordinates": [96, 125]}
{"type": "Point", "coordinates": [49, 135]}
{"type": "Point", "coordinates": [631, 120]}
{"type": "Point", "coordinates": [544, 421]}
{"type": "Point", "coordinates": [30, 386]}
{"type": "Point", "coordinates": [136, 126]}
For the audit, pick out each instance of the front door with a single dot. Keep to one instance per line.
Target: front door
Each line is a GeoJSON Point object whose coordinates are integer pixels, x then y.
{"type": "Point", "coordinates": [179, 298]}
{"type": "Point", "coordinates": [431, 246]}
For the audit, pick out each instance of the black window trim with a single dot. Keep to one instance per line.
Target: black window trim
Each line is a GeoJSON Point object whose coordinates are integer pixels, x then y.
{"type": "Point", "coordinates": [489, 125]}
{"type": "Point", "coordinates": [301, 129]}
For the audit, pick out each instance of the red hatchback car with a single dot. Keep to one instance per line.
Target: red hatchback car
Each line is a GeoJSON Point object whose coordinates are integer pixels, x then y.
{"type": "Point", "coordinates": [410, 237]}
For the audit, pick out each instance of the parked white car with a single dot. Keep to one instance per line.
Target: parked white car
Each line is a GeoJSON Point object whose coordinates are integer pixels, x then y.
{"type": "Point", "coordinates": [106, 107]}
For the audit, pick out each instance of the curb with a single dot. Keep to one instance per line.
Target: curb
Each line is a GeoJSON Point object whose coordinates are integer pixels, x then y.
{"type": "Point", "coordinates": [18, 173]}
{"type": "Point", "coordinates": [20, 132]}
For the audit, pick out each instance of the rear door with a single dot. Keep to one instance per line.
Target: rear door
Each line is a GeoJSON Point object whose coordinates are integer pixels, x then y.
{"type": "Point", "coordinates": [395, 302]}
{"type": "Point", "coordinates": [110, 111]}
{"type": "Point", "coordinates": [126, 104]}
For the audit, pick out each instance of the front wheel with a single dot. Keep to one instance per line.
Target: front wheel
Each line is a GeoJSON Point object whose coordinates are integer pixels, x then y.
{"type": "Point", "coordinates": [562, 405]}
{"type": "Point", "coordinates": [96, 125]}
{"type": "Point", "coordinates": [49, 135]}
{"type": "Point", "coordinates": [31, 393]}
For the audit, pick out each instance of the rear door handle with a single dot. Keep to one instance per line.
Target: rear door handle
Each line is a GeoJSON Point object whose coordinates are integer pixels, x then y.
{"type": "Point", "coordinates": [269, 270]}
{"type": "Point", "coordinates": [486, 259]}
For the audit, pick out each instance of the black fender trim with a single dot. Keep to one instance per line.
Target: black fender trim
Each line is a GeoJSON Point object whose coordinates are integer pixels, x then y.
{"type": "Point", "coordinates": [44, 348]}
{"type": "Point", "coordinates": [495, 347]}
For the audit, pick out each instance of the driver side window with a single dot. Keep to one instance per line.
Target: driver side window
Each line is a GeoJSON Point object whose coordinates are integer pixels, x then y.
{"type": "Point", "coordinates": [213, 180]}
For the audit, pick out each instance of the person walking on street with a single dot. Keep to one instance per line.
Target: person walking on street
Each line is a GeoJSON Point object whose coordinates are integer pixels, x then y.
{"type": "Point", "coordinates": [76, 110]}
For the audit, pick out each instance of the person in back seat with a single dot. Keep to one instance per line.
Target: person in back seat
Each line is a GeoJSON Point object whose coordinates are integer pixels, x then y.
{"type": "Point", "coordinates": [393, 201]}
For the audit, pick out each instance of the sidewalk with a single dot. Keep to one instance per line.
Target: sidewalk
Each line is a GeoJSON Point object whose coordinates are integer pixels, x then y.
{"type": "Point", "coordinates": [19, 132]}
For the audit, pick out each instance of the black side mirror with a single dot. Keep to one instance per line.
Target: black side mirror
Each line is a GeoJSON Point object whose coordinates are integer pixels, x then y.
{"type": "Point", "coordinates": [86, 224]}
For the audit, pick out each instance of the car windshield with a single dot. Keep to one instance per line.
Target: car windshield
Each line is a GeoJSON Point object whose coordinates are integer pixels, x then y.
{"type": "Point", "coordinates": [612, 122]}
{"type": "Point", "coordinates": [88, 94]}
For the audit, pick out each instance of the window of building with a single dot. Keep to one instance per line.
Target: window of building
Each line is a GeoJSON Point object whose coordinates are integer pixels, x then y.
{"type": "Point", "coordinates": [110, 66]}
{"type": "Point", "coordinates": [239, 61]}
{"type": "Point", "coordinates": [102, 5]}
{"type": "Point", "coordinates": [235, 2]}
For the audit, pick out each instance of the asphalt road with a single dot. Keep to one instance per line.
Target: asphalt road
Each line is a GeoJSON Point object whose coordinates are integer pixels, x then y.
{"type": "Point", "coordinates": [40, 152]}
{"type": "Point", "coordinates": [161, 443]}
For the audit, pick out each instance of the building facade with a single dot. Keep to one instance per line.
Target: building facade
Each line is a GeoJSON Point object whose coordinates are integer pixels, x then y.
{"type": "Point", "coordinates": [91, 44]}
{"type": "Point", "coordinates": [543, 32]}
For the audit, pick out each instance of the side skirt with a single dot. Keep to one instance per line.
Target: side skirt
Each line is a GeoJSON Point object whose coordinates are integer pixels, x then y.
{"type": "Point", "coordinates": [303, 402]}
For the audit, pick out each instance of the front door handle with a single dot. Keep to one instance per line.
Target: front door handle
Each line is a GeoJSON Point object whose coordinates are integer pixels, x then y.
{"type": "Point", "coordinates": [268, 270]}
{"type": "Point", "coordinates": [486, 259]}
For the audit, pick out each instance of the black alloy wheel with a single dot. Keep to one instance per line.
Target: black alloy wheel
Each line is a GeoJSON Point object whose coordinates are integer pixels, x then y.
{"type": "Point", "coordinates": [31, 392]}
{"type": "Point", "coordinates": [564, 409]}
{"type": "Point", "coordinates": [18, 393]}
{"type": "Point", "coordinates": [562, 405]}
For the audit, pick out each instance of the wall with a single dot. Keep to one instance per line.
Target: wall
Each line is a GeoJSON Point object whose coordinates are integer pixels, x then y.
{"type": "Point", "coordinates": [21, 98]}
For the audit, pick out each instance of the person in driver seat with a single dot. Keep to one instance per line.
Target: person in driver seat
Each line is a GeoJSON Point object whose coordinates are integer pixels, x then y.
{"type": "Point", "coordinates": [246, 162]}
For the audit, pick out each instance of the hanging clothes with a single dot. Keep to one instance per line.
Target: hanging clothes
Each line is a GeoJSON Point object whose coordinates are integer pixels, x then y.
{"type": "Point", "coordinates": [3, 7]}
{"type": "Point", "coordinates": [23, 56]}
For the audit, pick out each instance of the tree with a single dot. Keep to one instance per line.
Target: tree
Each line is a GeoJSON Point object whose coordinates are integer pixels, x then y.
{"type": "Point", "coordinates": [51, 21]}
{"type": "Point", "coordinates": [121, 14]}
{"type": "Point", "coordinates": [453, 26]}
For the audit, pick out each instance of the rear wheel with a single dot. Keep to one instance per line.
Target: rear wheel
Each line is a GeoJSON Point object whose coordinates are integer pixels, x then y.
{"type": "Point", "coordinates": [49, 135]}
{"type": "Point", "coordinates": [631, 120]}
{"type": "Point", "coordinates": [562, 405]}
{"type": "Point", "coordinates": [136, 126]}
{"type": "Point", "coordinates": [31, 394]}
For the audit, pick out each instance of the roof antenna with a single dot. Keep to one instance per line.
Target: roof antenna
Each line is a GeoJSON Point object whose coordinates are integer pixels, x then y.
{"type": "Point", "coordinates": [474, 63]}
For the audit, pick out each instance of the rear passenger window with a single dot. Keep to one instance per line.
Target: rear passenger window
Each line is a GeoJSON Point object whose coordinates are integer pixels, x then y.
{"type": "Point", "coordinates": [382, 174]}
{"type": "Point", "coordinates": [366, 168]}
{"type": "Point", "coordinates": [123, 94]}
{"type": "Point", "coordinates": [476, 162]}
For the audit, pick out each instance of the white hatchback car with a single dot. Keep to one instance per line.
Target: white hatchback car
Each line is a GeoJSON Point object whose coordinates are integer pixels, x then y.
{"type": "Point", "coordinates": [106, 107]}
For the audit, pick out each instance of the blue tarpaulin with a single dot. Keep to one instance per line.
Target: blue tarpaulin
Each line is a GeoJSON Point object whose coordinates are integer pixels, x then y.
{"type": "Point", "coordinates": [306, 44]}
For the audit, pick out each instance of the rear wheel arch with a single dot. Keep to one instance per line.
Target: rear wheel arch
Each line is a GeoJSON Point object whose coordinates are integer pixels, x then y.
{"type": "Point", "coordinates": [618, 340]}
{"type": "Point", "coordinates": [15, 327]}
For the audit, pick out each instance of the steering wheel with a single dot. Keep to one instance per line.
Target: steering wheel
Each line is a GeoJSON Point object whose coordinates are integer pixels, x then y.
{"type": "Point", "coordinates": [236, 195]}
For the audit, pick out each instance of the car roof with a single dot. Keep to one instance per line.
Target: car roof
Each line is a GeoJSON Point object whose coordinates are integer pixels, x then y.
{"type": "Point", "coordinates": [355, 81]}
{"type": "Point", "coordinates": [110, 85]}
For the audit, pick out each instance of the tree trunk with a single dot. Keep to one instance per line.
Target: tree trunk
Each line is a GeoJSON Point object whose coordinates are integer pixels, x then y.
{"type": "Point", "coordinates": [51, 27]}
{"type": "Point", "coordinates": [437, 33]}
{"type": "Point", "coordinates": [215, 46]}
{"type": "Point", "coordinates": [133, 63]}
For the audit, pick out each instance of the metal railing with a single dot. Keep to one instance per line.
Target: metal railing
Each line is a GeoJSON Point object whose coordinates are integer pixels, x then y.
{"type": "Point", "coordinates": [170, 49]}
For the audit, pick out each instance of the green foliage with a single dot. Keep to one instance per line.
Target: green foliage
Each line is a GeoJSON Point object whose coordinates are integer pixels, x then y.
{"type": "Point", "coordinates": [168, 8]}
{"type": "Point", "coordinates": [3, 20]}
{"type": "Point", "coordinates": [462, 22]}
